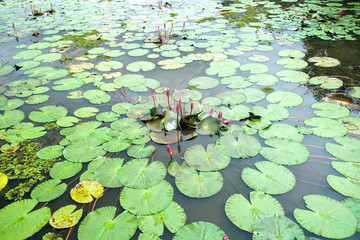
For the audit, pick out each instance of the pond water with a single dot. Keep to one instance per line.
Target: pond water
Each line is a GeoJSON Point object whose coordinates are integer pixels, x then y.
{"type": "Point", "coordinates": [77, 78]}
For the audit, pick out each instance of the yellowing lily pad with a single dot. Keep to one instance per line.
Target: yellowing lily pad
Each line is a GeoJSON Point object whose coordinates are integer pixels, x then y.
{"type": "Point", "coordinates": [65, 218]}
{"type": "Point", "coordinates": [85, 190]}
{"type": "Point", "coordinates": [3, 180]}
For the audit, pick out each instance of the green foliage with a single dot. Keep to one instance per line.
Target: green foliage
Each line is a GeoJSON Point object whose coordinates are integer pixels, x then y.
{"type": "Point", "coordinates": [81, 39]}
{"type": "Point", "coordinates": [206, 19]}
{"type": "Point", "coordinates": [243, 18]}
{"type": "Point", "coordinates": [173, 14]}
{"type": "Point", "coordinates": [24, 165]}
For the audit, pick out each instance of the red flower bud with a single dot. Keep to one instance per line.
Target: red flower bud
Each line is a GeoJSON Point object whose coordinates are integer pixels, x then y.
{"type": "Point", "coordinates": [168, 149]}
{"type": "Point", "coordinates": [220, 116]}
{"type": "Point", "coordinates": [211, 112]}
{"type": "Point", "coordinates": [192, 106]}
{"type": "Point", "coordinates": [13, 25]}
{"type": "Point", "coordinates": [227, 121]}
{"type": "Point", "coordinates": [180, 101]}
{"type": "Point", "coordinates": [225, 237]}
{"type": "Point", "coordinates": [178, 107]}
{"type": "Point", "coordinates": [168, 93]}
{"type": "Point", "coordinates": [152, 93]}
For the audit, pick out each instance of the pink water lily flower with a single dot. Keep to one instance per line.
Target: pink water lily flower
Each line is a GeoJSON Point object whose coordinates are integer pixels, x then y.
{"type": "Point", "coordinates": [168, 149]}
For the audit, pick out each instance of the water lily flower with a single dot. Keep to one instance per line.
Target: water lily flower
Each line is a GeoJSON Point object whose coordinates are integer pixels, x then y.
{"type": "Point", "coordinates": [304, 18]}
{"type": "Point", "coordinates": [225, 237]}
{"type": "Point", "coordinates": [227, 121]}
{"type": "Point", "coordinates": [168, 149]}
{"type": "Point", "coordinates": [9, 34]}
{"type": "Point", "coordinates": [162, 115]}
{"type": "Point", "coordinates": [153, 96]}
{"type": "Point", "coordinates": [341, 12]}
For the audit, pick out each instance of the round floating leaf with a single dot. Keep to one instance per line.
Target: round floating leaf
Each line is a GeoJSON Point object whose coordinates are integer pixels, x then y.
{"type": "Point", "coordinates": [17, 223]}
{"type": "Point", "coordinates": [50, 57]}
{"type": "Point", "coordinates": [65, 169]}
{"type": "Point", "coordinates": [107, 116]}
{"type": "Point", "coordinates": [5, 70]}
{"type": "Point", "coordinates": [148, 236]}
{"type": "Point", "coordinates": [277, 227]}
{"type": "Point", "coordinates": [48, 114]}
{"type": "Point", "coordinates": [254, 68]}
{"type": "Point", "coordinates": [199, 230]}
{"type": "Point", "coordinates": [292, 76]}
{"type": "Point", "coordinates": [106, 66]}
{"type": "Point", "coordinates": [324, 61]}
{"type": "Point", "coordinates": [27, 65]}
{"type": "Point", "coordinates": [39, 45]}
{"type": "Point", "coordinates": [198, 185]}
{"type": "Point", "coordinates": [84, 150]}
{"type": "Point", "coordinates": [285, 151]}
{"type": "Point", "coordinates": [292, 53]}
{"type": "Point", "coordinates": [330, 110]}
{"type": "Point", "coordinates": [82, 130]}
{"type": "Point", "coordinates": [48, 190]}
{"type": "Point", "coordinates": [3, 180]}
{"type": "Point", "coordinates": [121, 108]}
{"type": "Point", "coordinates": [252, 94]}
{"type": "Point", "coordinates": [140, 151]}
{"type": "Point", "coordinates": [173, 217]}
{"type": "Point", "coordinates": [148, 200]}
{"type": "Point", "coordinates": [65, 217]}
{"type": "Point", "coordinates": [186, 94]}
{"type": "Point", "coordinates": [138, 174]}
{"type": "Point", "coordinates": [326, 127]}
{"type": "Point", "coordinates": [67, 121]}
{"type": "Point", "coordinates": [210, 159]}
{"type": "Point", "coordinates": [244, 147]}
{"type": "Point", "coordinates": [67, 84]}
{"type": "Point", "coordinates": [285, 99]}
{"type": "Point", "coordinates": [86, 112]}
{"type": "Point", "coordinates": [272, 112]}
{"type": "Point", "coordinates": [10, 118]}
{"type": "Point", "coordinates": [348, 169]}
{"type": "Point", "coordinates": [271, 178]}
{"type": "Point", "coordinates": [140, 65]}
{"type": "Point", "coordinates": [36, 99]}
{"type": "Point", "coordinates": [34, 132]}
{"type": "Point", "coordinates": [96, 96]}
{"type": "Point", "coordinates": [235, 82]}
{"type": "Point", "coordinates": [346, 186]}
{"type": "Point", "coordinates": [102, 224]}
{"type": "Point", "coordinates": [245, 214]}
{"type": "Point", "coordinates": [258, 58]}
{"type": "Point", "coordinates": [224, 68]}
{"type": "Point", "coordinates": [50, 152]}
{"type": "Point", "coordinates": [263, 79]}
{"type": "Point", "coordinates": [116, 145]}
{"type": "Point", "coordinates": [292, 63]}
{"type": "Point", "coordinates": [231, 97]}
{"type": "Point", "coordinates": [107, 173]}
{"type": "Point", "coordinates": [326, 82]}
{"type": "Point", "coordinates": [27, 54]}
{"type": "Point", "coordinates": [208, 126]}
{"type": "Point", "coordinates": [235, 112]}
{"type": "Point", "coordinates": [85, 190]}
{"type": "Point", "coordinates": [281, 130]}
{"type": "Point", "coordinates": [354, 205]}
{"type": "Point", "coordinates": [204, 82]}
{"type": "Point", "coordinates": [327, 218]}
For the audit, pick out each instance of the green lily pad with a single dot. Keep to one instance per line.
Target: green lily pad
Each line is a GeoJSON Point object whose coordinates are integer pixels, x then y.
{"type": "Point", "coordinates": [281, 130]}
{"type": "Point", "coordinates": [186, 94]}
{"type": "Point", "coordinates": [292, 53]}
{"type": "Point", "coordinates": [285, 151]}
{"type": "Point", "coordinates": [271, 178]}
{"type": "Point", "coordinates": [236, 82]}
{"type": "Point", "coordinates": [116, 145]}
{"type": "Point", "coordinates": [102, 224]}
{"type": "Point", "coordinates": [173, 217]}
{"type": "Point", "coordinates": [244, 147]}
{"type": "Point", "coordinates": [330, 110]}
{"type": "Point", "coordinates": [86, 112]}
{"type": "Point", "coordinates": [208, 126]}
{"type": "Point", "coordinates": [231, 97]}
{"type": "Point", "coordinates": [224, 68]}
{"type": "Point", "coordinates": [293, 76]}
{"type": "Point", "coordinates": [199, 230]}
{"type": "Point", "coordinates": [67, 84]}
{"type": "Point", "coordinates": [96, 96]}
{"type": "Point", "coordinates": [277, 227]}
{"type": "Point", "coordinates": [65, 169]}
{"type": "Point", "coordinates": [235, 112]}
{"type": "Point", "coordinates": [210, 159]}
{"type": "Point", "coordinates": [49, 57]}
{"type": "Point", "coordinates": [138, 174]}
{"type": "Point", "coordinates": [198, 185]}
{"type": "Point", "coordinates": [326, 82]}
{"type": "Point", "coordinates": [254, 68]}
{"type": "Point", "coordinates": [146, 201]}
{"type": "Point", "coordinates": [245, 214]}
{"type": "Point", "coordinates": [140, 151]}
{"type": "Point", "coordinates": [107, 173]}
{"type": "Point", "coordinates": [48, 114]}
{"type": "Point", "coordinates": [48, 190]}
{"type": "Point", "coordinates": [10, 118]}
{"type": "Point", "coordinates": [27, 54]}
{"type": "Point", "coordinates": [272, 112]}
{"type": "Point", "coordinates": [17, 223]}
{"type": "Point", "coordinates": [285, 99]}
{"type": "Point", "coordinates": [65, 217]}
{"type": "Point", "coordinates": [346, 186]}
{"type": "Point", "coordinates": [106, 66]}
{"type": "Point", "coordinates": [67, 121]}
{"type": "Point", "coordinates": [263, 79]}
{"type": "Point", "coordinates": [5, 70]}
{"type": "Point", "coordinates": [50, 152]}
{"type": "Point", "coordinates": [324, 61]}
{"type": "Point", "coordinates": [204, 82]}
{"type": "Point", "coordinates": [292, 63]}
{"type": "Point", "coordinates": [140, 65]}
{"type": "Point", "coordinates": [326, 127]}
{"type": "Point", "coordinates": [326, 217]}
{"type": "Point", "coordinates": [252, 94]}
{"type": "Point", "coordinates": [348, 169]}
{"type": "Point", "coordinates": [84, 150]}
{"type": "Point", "coordinates": [37, 99]}
{"type": "Point", "coordinates": [354, 205]}
{"type": "Point", "coordinates": [34, 132]}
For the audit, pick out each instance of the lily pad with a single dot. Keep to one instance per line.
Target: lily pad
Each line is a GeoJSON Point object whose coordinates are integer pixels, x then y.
{"type": "Point", "coordinates": [284, 98]}
{"type": "Point", "coordinates": [204, 82]}
{"type": "Point", "coordinates": [140, 65]}
{"type": "Point", "coordinates": [65, 217]}
{"type": "Point", "coordinates": [277, 227]}
{"type": "Point", "coordinates": [86, 112]}
{"type": "Point", "coordinates": [254, 68]}
{"type": "Point", "coordinates": [173, 217]}
{"type": "Point", "coordinates": [326, 82]}
{"type": "Point", "coordinates": [330, 110]}
{"type": "Point", "coordinates": [65, 169]}
{"type": "Point", "coordinates": [48, 190]}
{"type": "Point", "coordinates": [50, 152]}
{"type": "Point", "coordinates": [85, 190]}
{"type": "Point", "coordinates": [102, 224]}
{"type": "Point", "coordinates": [208, 126]}
{"type": "Point", "coordinates": [198, 185]}
{"type": "Point", "coordinates": [33, 133]}
{"type": "Point", "coordinates": [10, 118]}
{"type": "Point", "coordinates": [245, 214]}
{"type": "Point", "coordinates": [271, 178]}
{"type": "Point", "coordinates": [199, 230]}
{"type": "Point", "coordinates": [324, 61]}
{"type": "Point", "coordinates": [139, 174]}
{"type": "Point", "coordinates": [285, 151]}
{"type": "Point", "coordinates": [96, 96]}
{"type": "Point", "coordinates": [3, 180]}
{"type": "Point", "coordinates": [146, 201]}
{"type": "Point", "coordinates": [84, 150]}
{"type": "Point", "coordinates": [348, 169]}
{"type": "Point", "coordinates": [326, 127]}
{"type": "Point", "coordinates": [48, 114]}
{"type": "Point", "coordinates": [244, 147]}
{"type": "Point", "coordinates": [281, 130]}
{"type": "Point", "coordinates": [272, 112]}
{"type": "Point", "coordinates": [16, 221]}
{"type": "Point", "coordinates": [346, 186]}
{"type": "Point", "coordinates": [140, 151]}
{"type": "Point", "coordinates": [326, 217]}
{"type": "Point", "coordinates": [293, 76]}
